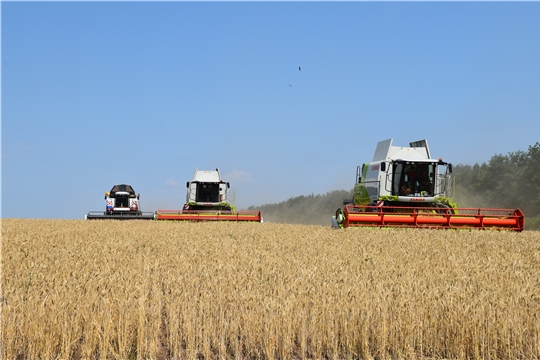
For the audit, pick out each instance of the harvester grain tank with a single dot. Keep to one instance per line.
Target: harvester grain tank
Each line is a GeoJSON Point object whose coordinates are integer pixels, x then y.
{"type": "Point", "coordinates": [121, 203]}
{"type": "Point", "coordinates": [405, 187]}
{"type": "Point", "coordinates": [208, 198]}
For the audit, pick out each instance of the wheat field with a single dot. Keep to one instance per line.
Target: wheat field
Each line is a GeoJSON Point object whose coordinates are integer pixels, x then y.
{"type": "Point", "coordinates": [75, 289]}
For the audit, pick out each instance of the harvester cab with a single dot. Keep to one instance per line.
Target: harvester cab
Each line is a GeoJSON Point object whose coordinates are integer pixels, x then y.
{"type": "Point", "coordinates": [405, 187]}
{"type": "Point", "coordinates": [121, 203]}
{"type": "Point", "coordinates": [400, 175]}
{"type": "Point", "coordinates": [122, 199]}
{"type": "Point", "coordinates": [207, 191]}
{"type": "Point", "coordinates": [208, 198]}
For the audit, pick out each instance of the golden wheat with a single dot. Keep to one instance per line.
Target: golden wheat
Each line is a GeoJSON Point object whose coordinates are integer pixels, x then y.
{"type": "Point", "coordinates": [168, 290]}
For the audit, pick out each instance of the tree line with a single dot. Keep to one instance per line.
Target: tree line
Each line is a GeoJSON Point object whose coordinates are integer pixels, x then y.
{"type": "Point", "coordinates": [505, 181]}
{"type": "Point", "coordinates": [310, 210]}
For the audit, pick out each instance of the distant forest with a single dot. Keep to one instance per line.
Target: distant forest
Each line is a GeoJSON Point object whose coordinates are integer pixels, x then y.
{"type": "Point", "coordinates": [505, 181]}
{"type": "Point", "coordinates": [310, 209]}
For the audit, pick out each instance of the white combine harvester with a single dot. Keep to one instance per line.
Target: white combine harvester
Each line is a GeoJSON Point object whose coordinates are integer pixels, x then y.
{"type": "Point", "coordinates": [405, 187]}
{"type": "Point", "coordinates": [208, 199]}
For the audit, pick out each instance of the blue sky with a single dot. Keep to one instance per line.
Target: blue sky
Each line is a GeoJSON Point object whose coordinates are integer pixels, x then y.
{"type": "Point", "coordinates": [100, 93]}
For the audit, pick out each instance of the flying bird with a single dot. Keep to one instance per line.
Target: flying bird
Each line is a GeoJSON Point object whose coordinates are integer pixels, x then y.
{"type": "Point", "coordinates": [290, 85]}
{"type": "Point", "coordinates": [299, 68]}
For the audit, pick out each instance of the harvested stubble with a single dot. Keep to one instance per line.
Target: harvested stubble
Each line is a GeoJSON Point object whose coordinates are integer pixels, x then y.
{"type": "Point", "coordinates": [164, 290]}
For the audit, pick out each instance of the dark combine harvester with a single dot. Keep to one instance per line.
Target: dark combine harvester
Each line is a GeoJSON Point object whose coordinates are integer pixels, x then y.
{"type": "Point", "coordinates": [121, 204]}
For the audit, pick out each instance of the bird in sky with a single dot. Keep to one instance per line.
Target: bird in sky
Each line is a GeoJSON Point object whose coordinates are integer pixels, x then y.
{"type": "Point", "coordinates": [290, 85]}
{"type": "Point", "coordinates": [299, 68]}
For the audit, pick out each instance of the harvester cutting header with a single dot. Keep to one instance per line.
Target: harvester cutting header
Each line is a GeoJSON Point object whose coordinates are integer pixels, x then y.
{"type": "Point", "coordinates": [405, 187]}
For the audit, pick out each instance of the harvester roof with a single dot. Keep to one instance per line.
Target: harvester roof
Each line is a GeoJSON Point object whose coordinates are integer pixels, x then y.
{"type": "Point", "coordinates": [417, 150]}
{"type": "Point", "coordinates": [207, 176]}
{"type": "Point", "coordinates": [122, 188]}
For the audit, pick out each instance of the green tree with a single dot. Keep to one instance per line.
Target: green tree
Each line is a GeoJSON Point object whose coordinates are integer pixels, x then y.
{"type": "Point", "coordinates": [506, 181]}
{"type": "Point", "coordinates": [310, 209]}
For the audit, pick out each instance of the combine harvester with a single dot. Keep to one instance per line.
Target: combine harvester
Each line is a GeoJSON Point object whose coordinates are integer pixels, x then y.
{"type": "Point", "coordinates": [121, 204]}
{"type": "Point", "coordinates": [405, 187]}
{"type": "Point", "coordinates": [208, 200]}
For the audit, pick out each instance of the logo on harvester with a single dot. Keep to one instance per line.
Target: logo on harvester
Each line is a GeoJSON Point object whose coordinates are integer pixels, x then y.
{"type": "Point", "coordinates": [109, 204]}
{"type": "Point", "coordinates": [375, 167]}
{"type": "Point", "coordinates": [417, 199]}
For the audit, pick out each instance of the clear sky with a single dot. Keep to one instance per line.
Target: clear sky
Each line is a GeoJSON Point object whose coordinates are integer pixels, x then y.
{"type": "Point", "coordinates": [100, 93]}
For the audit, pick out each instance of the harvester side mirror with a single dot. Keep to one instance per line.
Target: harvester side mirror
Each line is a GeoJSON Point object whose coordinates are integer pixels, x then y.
{"type": "Point", "coordinates": [383, 166]}
{"type": "Point", "coordinates": [187, 184]}
{"type": "Point", "coordinates": [228, 185]}
{"type": "Point", "coordinates": [138, 196]}
{"type": "Point", "coordinates": [450, 168]}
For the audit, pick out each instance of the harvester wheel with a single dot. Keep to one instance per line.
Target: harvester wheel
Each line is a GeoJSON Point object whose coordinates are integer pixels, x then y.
{"type": "Point", "coordinates": [374, 206]}
{"type": "Point", "coordinates": [444, 208]}
{"type": "Point", "coordinates": [339, 216]}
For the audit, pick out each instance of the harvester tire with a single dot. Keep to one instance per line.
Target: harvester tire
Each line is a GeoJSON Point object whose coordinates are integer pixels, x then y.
{"type": "Point", "coordinates": [444, 208]}
{"type": "Point", "coordinates": [339, 216]}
